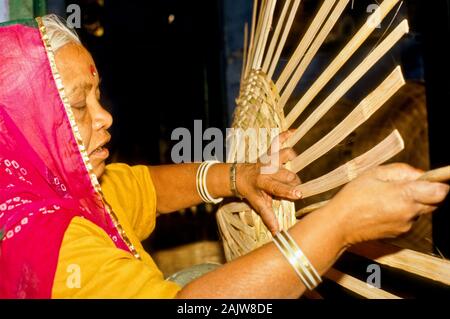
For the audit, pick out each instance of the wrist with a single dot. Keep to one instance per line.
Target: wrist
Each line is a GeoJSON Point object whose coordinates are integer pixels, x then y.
{"type": "Point", "coordinates": [332, 224]}
{"type": "Point", "coordinates": [339, 222]}
{"type": "Point", "coordinates": [218, 180]}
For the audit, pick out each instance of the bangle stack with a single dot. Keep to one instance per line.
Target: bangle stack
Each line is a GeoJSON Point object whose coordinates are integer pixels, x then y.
{"type": "Point", "coordinates": [202, 190]}
{"type": "Point", "coordinates": [304, 269]}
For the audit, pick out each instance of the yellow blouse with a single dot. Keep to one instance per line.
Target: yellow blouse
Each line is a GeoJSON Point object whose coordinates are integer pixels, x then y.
{"type": "Point", "coordinates": [90, 266]}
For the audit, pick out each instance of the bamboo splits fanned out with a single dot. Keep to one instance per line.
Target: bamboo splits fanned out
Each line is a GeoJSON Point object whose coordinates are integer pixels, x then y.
{"type": "Point", "coordinates": [366, 108]}
{"type": "Point", "coordinates": [242, 230]}
{"type": "Point", "coordinates": [264, 34]}
{"type": "Point", "coordinates": [304, 44]}
{"type": "Point", "coordinates": [346, 84]}
{"type": "Point", "coordinates": [275, 36]}
{"type": "Point", "coordinates": [358, 39]}
{"type": "Point", "coordinates": [385, 150]}
{"type": "Point", "coordinates": [283, 39]}
{"type": "Point", "coordinates": [312, 51]}
{"type": "Point", "coordinates": [249, 54]}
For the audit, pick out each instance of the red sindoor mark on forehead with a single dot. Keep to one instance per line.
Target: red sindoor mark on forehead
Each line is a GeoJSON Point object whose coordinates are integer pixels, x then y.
{"type": "Point", "coordinates": [93, 70]}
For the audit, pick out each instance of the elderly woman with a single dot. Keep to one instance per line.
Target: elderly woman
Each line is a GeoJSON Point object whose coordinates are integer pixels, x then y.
{"type": "Point", "coordinates": [63, 210]}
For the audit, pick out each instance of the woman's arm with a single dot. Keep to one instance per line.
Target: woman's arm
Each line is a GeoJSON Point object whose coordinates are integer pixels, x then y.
{"type": "Point", "coordinates": [382, 203]}
{"type": "Point", "coordinates": [176, 188]}
{"type": "Point", "coordinates": [265, 273]}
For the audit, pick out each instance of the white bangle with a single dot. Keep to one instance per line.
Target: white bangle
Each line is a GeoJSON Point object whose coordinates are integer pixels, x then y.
{"type": "Point", "coordinates": [201, 183]}
{"type": "Point", "coordinates": [304, 269]}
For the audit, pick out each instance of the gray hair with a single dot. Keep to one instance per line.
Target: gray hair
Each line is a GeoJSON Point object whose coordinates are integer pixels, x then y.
{"type": "Point", "coordinates": [59, 33]}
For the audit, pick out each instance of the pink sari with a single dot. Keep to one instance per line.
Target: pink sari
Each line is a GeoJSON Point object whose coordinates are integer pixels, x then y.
{"type": "Point", "coordinates": [45, 175]}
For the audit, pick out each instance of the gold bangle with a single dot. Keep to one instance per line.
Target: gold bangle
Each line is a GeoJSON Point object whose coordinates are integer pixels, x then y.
{"type": "Point", "coordinates": [292, 252]}
{"type": "Point", "coordinates": [303, 260]}
{"type": "Point", "coordinates": [293, 261]}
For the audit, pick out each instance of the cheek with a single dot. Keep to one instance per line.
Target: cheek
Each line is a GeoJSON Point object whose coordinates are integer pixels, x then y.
{"type": "Point", "coordinates": [86, 133]}
{"type": "Point", "coordinates": [85, 129]}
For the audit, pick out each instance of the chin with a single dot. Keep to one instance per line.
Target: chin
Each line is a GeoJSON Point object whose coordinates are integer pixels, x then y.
{"type": "Point", "coordinates": [99, 169]}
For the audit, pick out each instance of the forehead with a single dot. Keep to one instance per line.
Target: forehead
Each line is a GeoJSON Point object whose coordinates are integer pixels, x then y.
{"type": "Point", "coordinates": [75, 64]}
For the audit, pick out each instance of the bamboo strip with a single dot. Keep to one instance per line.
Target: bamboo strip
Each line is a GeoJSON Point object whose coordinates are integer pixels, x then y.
{"type": "Point", "coordinates": [245, 53]}
{"type": "Point", "coordinates": [267, 22]}
{"type": "Point", "coordinates": [312, 51]}
{"type": "Point", "coordinates": [366, 108]}
{"type": "Point", "coordinates": [311, 208]}
{"type": "Point", "coordinates": [275, 36]}
{"type": "Point", "coordinates": [382, 152]}
{"type": "Point", "coordinates": [404, 259]}
{"type": "Point", "coordinates": [239, 224]}
{"type": "Point", "coordinates": [359, 287]}
{"type": "Point", "coordinates": [345, 85]}
{"type": "Point", "coordinates": [244, 241]}
{"type": "Point", "coordinates": [284, 36]}
{"type": "Point", "coordinates": [225, 234]}
{"type": "Point", "coordinates": [358, 39]}
{"type": "Point", "coordinates": [252, 39]}
{"type": "Point", "coordinates": [305, 42]}
{"type": "Point", "coordinates": [235, 207]}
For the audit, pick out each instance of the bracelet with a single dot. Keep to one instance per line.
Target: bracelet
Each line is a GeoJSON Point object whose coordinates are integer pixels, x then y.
{"type": "Point", "coordinates": [200, 182]}
{"type": "Point", "coordinates": [292, 252]}
{"type": "Point", "coordinates": [233, 181]}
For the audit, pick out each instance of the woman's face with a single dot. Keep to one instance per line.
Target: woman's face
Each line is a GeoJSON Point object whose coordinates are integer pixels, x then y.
{"type": "Point", "coordinates": [81, 83]}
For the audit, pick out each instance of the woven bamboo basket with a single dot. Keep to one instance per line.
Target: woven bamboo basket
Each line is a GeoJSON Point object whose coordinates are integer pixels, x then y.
{"type": "Point", "coordinates": [261, 105]}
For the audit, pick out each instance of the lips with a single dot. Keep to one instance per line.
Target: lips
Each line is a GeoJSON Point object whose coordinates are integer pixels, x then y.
{"type": "Point", "coordinates": [100, 149]}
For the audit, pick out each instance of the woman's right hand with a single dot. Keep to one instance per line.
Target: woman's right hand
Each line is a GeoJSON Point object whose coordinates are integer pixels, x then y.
{"type": "Point", "coordinates": [384, 202]}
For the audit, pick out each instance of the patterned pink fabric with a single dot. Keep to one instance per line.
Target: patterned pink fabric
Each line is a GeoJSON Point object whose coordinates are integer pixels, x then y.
{"type": "Point", "coordinates": [44, 182]}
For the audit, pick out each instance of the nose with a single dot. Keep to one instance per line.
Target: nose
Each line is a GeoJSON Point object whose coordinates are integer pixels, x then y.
{"type": "Point", "coordinates": [102, 119]}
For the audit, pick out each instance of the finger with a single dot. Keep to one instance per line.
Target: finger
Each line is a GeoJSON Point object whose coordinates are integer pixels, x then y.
{"type": "Point", "coordinates": [426, 192]}
{"type": "Point", "coordinates": [273, 161]}
{"type": "Point", "coordinates": [276, 188]}
{"type": "Point", "coordinates": [422, 210]}
{"type": "Point", "coordinates": [286, 176]}
{"type": "Point", "coordinates": [284, 136]}
{"type": "Point", "coordinates": [397, 172]}
{"type": "Point", "coordinates": [286, 155]}
{"type": "Point", "coordinates": [267, 198]}
{"type": "Point", "coordinates": [278, 141]}
{"type": "Point", "coordinates": [266, 212]}
{"type": "Point", "coordinates": [426, 209]}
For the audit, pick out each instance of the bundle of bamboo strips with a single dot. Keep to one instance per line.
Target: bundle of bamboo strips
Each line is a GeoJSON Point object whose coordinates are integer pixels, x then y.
{"type": "Point", "coordinates": [261, 103]}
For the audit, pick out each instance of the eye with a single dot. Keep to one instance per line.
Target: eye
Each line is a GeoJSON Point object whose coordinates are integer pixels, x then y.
{"type": "Point", "coordinates": [79, 105]}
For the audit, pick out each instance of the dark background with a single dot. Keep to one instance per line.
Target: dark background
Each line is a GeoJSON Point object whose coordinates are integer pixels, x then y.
{"type": "Point", "coordinates": [165, 63]}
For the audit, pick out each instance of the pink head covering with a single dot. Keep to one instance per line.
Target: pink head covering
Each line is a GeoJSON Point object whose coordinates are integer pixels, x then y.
{"type": "Point", "coordinates": [45, 175]}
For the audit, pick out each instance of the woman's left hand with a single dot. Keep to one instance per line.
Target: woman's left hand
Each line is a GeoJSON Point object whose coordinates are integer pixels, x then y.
{"type": "Point", "coordinates": [259, 183]}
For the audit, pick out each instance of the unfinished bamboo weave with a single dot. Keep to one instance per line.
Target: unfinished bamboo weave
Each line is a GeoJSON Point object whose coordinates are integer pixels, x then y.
{"type": "Point", "coordinates": [261, 104]}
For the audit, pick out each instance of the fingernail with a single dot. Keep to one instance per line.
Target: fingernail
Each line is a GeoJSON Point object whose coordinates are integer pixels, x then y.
{"type": "Point", "coordinates": [443, 189]}
{"type": "Point", "coordinates": [298, 193]}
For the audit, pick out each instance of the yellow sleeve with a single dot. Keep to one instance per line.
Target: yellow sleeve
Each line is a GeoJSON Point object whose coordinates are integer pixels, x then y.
{"type": "Point", "coordinates": [90, 266]}
{"type": "Point", "coordinates": [130, 192]}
